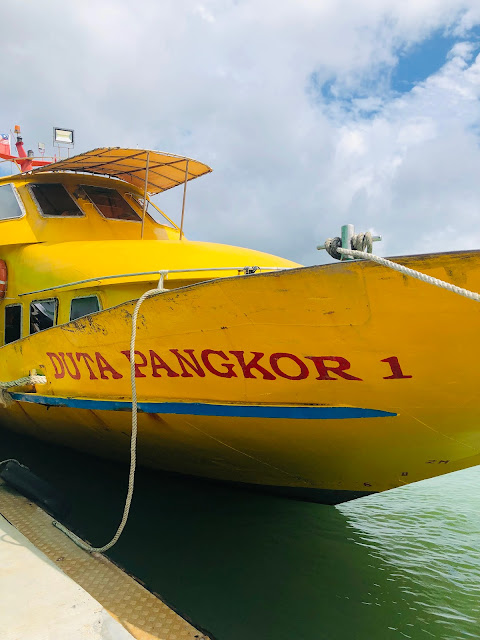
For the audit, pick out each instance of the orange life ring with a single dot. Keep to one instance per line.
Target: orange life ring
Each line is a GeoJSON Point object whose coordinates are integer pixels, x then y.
{"type": "Point", "coordinates": [3, 278]}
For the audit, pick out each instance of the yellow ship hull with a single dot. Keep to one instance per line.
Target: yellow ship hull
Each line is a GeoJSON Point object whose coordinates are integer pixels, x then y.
{"type": "Point", "coordinates": [325, 382]}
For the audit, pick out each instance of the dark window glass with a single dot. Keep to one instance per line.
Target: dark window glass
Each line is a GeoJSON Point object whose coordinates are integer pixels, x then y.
{"type": "Point", "coordinates": [9, 205]}
{"type": "Point", "coordinates": [43, 314]}
{"type": "Point", "coordinates": [110, 203]}
{"type": "Point", "coordinates": [54, 200]}
{"type": "Point", "coordinates": [83, 307]}
{"type": "Point", "coordinates": [13, 323]}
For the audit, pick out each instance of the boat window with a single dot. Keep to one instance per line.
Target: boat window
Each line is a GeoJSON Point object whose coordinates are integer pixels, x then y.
{"type": "Point", "coordinates": [84, 306]}
{"type": "Point", "coordinates": [110, 203]}
{"type": "Point", "coordinates": [55, 201]}
{"type": "Point", "coordinates": [43, 314]}
{"type": "Point", "coordinates": [13, 323]}
{"type": "Point", "coordinates": [10, 205]}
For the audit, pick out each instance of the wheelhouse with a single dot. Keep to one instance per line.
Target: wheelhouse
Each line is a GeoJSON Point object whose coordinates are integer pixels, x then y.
{"type": "Point", "coordinates": [82, 235]}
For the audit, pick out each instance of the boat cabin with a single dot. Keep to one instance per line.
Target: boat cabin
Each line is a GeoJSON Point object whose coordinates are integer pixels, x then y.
{"type": "Point", "coordinates": [82, 235]}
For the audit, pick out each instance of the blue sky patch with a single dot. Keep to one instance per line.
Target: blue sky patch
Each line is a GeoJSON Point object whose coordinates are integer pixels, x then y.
{"type": "Point", "coordinates": [5, 169]}
{"type": "Point", "coordinates": [415, 64]}
{"type": "Point", "coordinates": [420, 61]}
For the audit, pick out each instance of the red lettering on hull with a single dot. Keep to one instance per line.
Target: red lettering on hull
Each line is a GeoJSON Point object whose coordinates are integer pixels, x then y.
{"type": "Point", "coordinates": [232, 364]}
{"type": "Point", "coordinates": [227, 372]}
{"type": "Point", "coordinates": [158, 363]}
{"type": "Point", "coordinates": [324, 371]}
{"type": "Point", "coordinates": [86, 358]}
{"type": "Point", "coordinates": [191, 364]}
{"type": "Point", "coordinates": [397, 373]}
{"type": "Point", "coordinates": [253, 364]}
{"type": "Point", "coordinates": [138, 365]}
{"type": "Point", "coordinates": [303, 369]}
{"type": "Point", "coordinates": [58, 366]}
{"type": "Point", "coordinates": [76, 373]}
{"type": "Point", "coordinates": [104, 367]}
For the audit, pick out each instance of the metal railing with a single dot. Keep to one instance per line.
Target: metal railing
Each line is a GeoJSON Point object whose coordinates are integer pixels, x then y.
{"type": "Point", "coordinates": [163, 274]}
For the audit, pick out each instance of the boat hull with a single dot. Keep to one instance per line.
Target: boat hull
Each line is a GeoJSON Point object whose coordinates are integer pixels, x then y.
{"type": "Point", "coordinates": [326, 383]}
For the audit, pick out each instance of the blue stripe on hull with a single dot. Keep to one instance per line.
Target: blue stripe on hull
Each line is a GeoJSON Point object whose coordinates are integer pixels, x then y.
{"type": "Point", "coordinates": [203, 409]}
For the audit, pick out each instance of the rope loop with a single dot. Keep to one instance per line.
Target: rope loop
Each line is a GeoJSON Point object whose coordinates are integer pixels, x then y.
{"type": "Point", "coordinates": [362, 242]}
{"type": "Point", "coordinates": [133, 441]}
{"type": "Point", "coordinates": [5, 397]}
{"type": "Point", "coordinates": [332, 245]}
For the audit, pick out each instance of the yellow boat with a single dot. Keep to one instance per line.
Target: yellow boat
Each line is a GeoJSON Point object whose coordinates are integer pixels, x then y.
{"type": "Point", "coordinates": [325, 383]}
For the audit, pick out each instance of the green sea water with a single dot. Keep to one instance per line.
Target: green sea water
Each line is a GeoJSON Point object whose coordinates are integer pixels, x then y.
{"type": "Point", "coordinates": [245, 566]}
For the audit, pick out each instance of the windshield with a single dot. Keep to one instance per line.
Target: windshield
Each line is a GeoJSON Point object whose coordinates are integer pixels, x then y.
{"type": "Point", "coordinates": [110, 203]}
{"type": "Point", "coordinates": [54, 200]}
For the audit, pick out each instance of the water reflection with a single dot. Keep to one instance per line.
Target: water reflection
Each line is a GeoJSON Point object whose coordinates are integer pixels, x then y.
{"type": "Point", "coordinates": [243, 565]}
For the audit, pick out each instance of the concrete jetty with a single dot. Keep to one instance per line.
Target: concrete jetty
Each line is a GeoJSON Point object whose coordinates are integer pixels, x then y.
{"type": "Point", "coordinates": [52, 590]}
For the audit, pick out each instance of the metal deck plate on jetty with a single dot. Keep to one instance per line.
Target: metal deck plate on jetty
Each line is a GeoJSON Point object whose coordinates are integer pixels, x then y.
{"type": "Point", "coordinates": [91, 598]}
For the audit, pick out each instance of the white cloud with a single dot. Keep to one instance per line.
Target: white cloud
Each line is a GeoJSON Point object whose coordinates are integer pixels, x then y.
{"type": "Point", "coordinates": [419, 177]}
{"type": "Point", "coordinates": [230, 83]}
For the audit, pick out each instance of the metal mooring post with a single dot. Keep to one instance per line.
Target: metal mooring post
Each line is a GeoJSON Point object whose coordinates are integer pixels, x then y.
{"type": "Point", "coordinates": [348, 231]}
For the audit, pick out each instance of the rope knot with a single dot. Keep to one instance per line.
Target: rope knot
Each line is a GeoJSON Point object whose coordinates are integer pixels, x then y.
{"type": "Point", "coordinates": [362, 242]}
{"type": "Point", "coordinates": [331, 246]}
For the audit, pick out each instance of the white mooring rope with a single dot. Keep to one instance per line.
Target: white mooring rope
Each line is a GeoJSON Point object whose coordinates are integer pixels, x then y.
{"type": "Point", "coordinates": [133, 443]}
{"type": "Point", "coordinates": [363, 241]}
{"type": "Point", "coordinates": [6, 398]}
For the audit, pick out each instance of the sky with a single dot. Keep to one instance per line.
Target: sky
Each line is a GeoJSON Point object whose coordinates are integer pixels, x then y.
{"type": "Point", "coordinates": [312, 114]}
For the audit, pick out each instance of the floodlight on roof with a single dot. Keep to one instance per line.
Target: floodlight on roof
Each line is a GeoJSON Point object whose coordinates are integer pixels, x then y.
{"type": "Point", "coordinates": [41, 147]}
{"type": "Point", "coordinates": [62, 136]}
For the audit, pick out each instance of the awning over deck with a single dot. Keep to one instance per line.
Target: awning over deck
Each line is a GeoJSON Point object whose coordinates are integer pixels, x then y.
{"type": "Point", "coordinates": [164, 170]}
